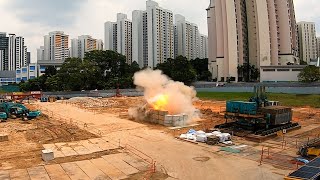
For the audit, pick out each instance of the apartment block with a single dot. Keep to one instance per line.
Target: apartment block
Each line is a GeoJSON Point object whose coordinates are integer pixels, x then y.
{"type": "Point", "coordinates": [318, 47]}
{"type": "Point", "coordinates": [83, 44]}
{"type": "Point", "coordinates": [307, 41]}
{"type": "Point", "coordinates": [258, 32]}
{"type": "Point", "coordinates": [56, 46]}
{"type": "Point", "coordinates": [13, 52]}
{"type": "Point", "coordinates": [118, 36]}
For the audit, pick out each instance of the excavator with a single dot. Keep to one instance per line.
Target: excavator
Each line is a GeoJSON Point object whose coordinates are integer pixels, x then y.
{"type": "Point", "coordinates": [16, 110]}
{"type": "Point", "coordinates": [312, 148]}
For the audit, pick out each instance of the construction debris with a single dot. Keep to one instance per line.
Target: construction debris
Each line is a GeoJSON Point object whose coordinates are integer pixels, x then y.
{"type": "Point", "coordinates": [4, 137]}
{"type": "Point", "coordinates": [47, 155]}
{"type": "Point", "coordinates": [89, 102]}
{"type": "Point", "coordinates": [211, 138]}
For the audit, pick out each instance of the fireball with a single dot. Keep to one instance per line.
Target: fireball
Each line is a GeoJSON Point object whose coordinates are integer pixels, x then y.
{"type": "Point", "coordinates": [159, 102]}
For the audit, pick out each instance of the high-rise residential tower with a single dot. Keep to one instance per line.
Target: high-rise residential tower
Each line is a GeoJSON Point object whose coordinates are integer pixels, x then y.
{"type": "Point", "coordinates": [187, 38]}
{"type": "Point", "coordinates": [4, 47]}
{"type": "Point", "coordinates": [160, 34]}
{"type": "Point", "coordinates": [318, 47]}
{"type": "Point", "coordinates": [140, 38]}
{"type": "Point", "coordinates": [13, 52]}
{"type": "Point", "coordinates": [56, 46]}
{"type": "Point", "coordinates": [83, 44]}
{"type": "Point", "coordinates": [307, 41]}
{"type": "Point", "coordinates": [40, 53]}
{"type": "Point", "coordinates": [258, 32]}
{"type": "Point", "coordinates": [118, 36]}
{"type": "Point", "coordinates": [203, 52]}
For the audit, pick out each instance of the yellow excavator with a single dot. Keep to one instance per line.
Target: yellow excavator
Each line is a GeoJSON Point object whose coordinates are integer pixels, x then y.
{"type": "Point", "coordinates": [312, 148]}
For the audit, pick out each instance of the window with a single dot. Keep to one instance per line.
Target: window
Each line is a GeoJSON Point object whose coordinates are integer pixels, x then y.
{"type": "Point", "coordinates": [268, 70]}
{"type": "Point", "coordinates": [32, 68]}
{"type": "Point", "coordinates": [283, 70]}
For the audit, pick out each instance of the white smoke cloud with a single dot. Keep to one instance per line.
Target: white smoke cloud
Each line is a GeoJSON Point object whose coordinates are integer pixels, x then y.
{"type": "Point", "coordinates": [155, 83]}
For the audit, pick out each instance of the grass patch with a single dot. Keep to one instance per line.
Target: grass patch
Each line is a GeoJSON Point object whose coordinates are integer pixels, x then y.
{"type": "Point", "coordinates": [295, 100]}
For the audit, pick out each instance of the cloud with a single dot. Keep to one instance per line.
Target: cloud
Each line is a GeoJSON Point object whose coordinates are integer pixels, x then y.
{"type": "Point", "coordinates": [53, 13]}
{"type": "Point", "coordinates": [35, 18]}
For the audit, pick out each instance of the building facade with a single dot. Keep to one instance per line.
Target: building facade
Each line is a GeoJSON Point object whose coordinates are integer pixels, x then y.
{"type": "Point", "coordinates": [318, 47]}
{"type": "Point", "coordinates": [258, 32]}
{"type": "Point", "coordinates": [160, 32]}
{"type": "Point", "coordinates": [203, 46]}
{"type": "Point", "coordinates": [13, 52]}
{"type": "Point", "coordinates": [140, 38]}
{"type": "Point", "coordinates": [187, 38]}
{"type": "Point", "coordinates": [307, 41]}
{"type": "Point", "coordinates": [83, 44]}
{"type": "Point", "coordinates": [118, 36]}
{"type": "Point", "coordinates": [56, 46]}
{"type": "Point", "coordinates": [26, 73]}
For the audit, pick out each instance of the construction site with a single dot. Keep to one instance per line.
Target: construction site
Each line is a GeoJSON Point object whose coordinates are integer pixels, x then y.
{"type": "Point", "coordinates": [167, 133]}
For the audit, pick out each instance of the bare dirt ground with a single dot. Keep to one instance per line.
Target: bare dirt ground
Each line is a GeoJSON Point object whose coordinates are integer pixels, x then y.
{"type": "Point", "coordinates": [181, 160]}
{"type": "Point", "coordinates": [81, 119]}
{"type": "Point", "coordinates": [24, 147]}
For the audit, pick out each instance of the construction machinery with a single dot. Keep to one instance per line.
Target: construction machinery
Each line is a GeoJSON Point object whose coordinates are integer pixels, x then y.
{"type": "Point", "coordinates": [16, 110]}
{"type": "Point", "coordinates": [311, 148]}
{"type": "Point", "coordinates": [257, 116]}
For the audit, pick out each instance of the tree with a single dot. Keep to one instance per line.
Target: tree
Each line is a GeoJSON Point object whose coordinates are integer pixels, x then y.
{"type": "Point", "coordinates": [248, 72]}
{"type": "Point", "coordinates": [201, 67]}
{"type": "Point", "coordinates": [179, 69]}
{"type": "Point", "coordinates": [309, 74]}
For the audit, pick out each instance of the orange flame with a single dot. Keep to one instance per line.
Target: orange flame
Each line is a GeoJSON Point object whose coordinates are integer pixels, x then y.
{"type": "Point", "coordinates": [159, 102]}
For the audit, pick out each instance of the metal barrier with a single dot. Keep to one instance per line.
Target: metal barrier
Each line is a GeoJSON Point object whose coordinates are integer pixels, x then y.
{"type": "Point", "coordinates": [149, 160]}
{"type": "Point", "coordinates": [277, 158]}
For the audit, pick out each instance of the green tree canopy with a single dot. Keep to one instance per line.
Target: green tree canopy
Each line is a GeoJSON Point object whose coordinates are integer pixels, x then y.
{"type": "Point", "coordinates": [179, 69]}
{"type": "Point", "coordinates": [309, 74]}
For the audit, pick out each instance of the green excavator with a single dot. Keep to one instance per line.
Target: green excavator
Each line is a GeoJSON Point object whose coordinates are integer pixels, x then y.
{"type": "Point", "coordinates": [16, 110]}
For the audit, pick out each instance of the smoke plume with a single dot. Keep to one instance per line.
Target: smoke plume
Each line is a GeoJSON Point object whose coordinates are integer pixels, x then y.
{"type": "Point", "coordinates": [155, 84]}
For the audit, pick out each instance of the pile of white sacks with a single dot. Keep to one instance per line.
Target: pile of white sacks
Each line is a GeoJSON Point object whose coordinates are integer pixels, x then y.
{"type": "Point", "coordinates": [201, 136]}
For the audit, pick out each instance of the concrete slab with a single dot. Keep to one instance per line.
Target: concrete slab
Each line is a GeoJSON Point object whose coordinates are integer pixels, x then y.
{"type": "Point", "coordinates": [56, 150]}
{"type": "Point", "coordinates": [117, 162]}
{"type": "Point", "coordinates": [19, 174]}
{"type": "Point", "coordinates": [101, 143]}
{"type": "Point", "coordinates": [91, 170]}
{"type": "Point", "coordinates": [135, 162]}
{"type": "Point", "coordinates": [4, 175]}
{"type": "Point", "coordinates": [81, 150]}
{"type": "Point", "coordinates": [58, 153]}
{"type": "Point", "coordinates": [56, 172]}
{"type": "Point", "coordinates": [74, 172]}
{"type": "Point", "coordinates": [91, 147]}
{"type": "Point", "coordinates": [49, 146]}
{"type": "Point", "coordinates": [37, 173]}
{"type": "Point", "coordinates": [108, 169]}
{"type": "Point", "coordinates": [68, 151]}
{"type": "Point", "coordinates": [59, 145]}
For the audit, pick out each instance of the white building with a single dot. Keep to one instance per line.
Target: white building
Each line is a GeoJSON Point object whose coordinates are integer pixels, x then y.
{"type": "Point", "coordinates": [280, 73]}
{"type": "Point", "coordinates": [56, 46]}
{"type": "Point", "coordinates": [160, 34]}
{"type": "Point", "coordinates": [318, 46]}
{"type": "Point", "coordinates": [203, 47]}
{"type": "Point", "coordinates": [26, 73]}
{"type": "Point", "coordinates": [307, 41]}
{"type": "Point", "coordinates": [124, 36]}
{"type": "Point", "coordinates": [258, 32]}
{"type": "Point", "coordinates": [140, 38]}
{"type": "Point", "coordinates": [118, 36]}
{"type": "Point", "coordinates": [17, 53]}
{"type": "Point", "coordinates": [83, 44]}
{"type": "Point", "coordinates": [40, 53]}
{"type": "Point", "coordinates": [110, 36]}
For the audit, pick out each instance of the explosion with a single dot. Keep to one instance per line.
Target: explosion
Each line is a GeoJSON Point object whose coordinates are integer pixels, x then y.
{"type": "Point", "coordinates": [159, 102]}
{"type": "Point", "coordinates": [163, 94]}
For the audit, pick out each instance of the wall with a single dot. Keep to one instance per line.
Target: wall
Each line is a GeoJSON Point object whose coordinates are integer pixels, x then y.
{"type": "Point", "coordinates": [280, 73]}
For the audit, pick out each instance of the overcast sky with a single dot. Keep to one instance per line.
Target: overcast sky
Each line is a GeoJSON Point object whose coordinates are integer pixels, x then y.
{"type": "Point", "coordinates": [33, 19]}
